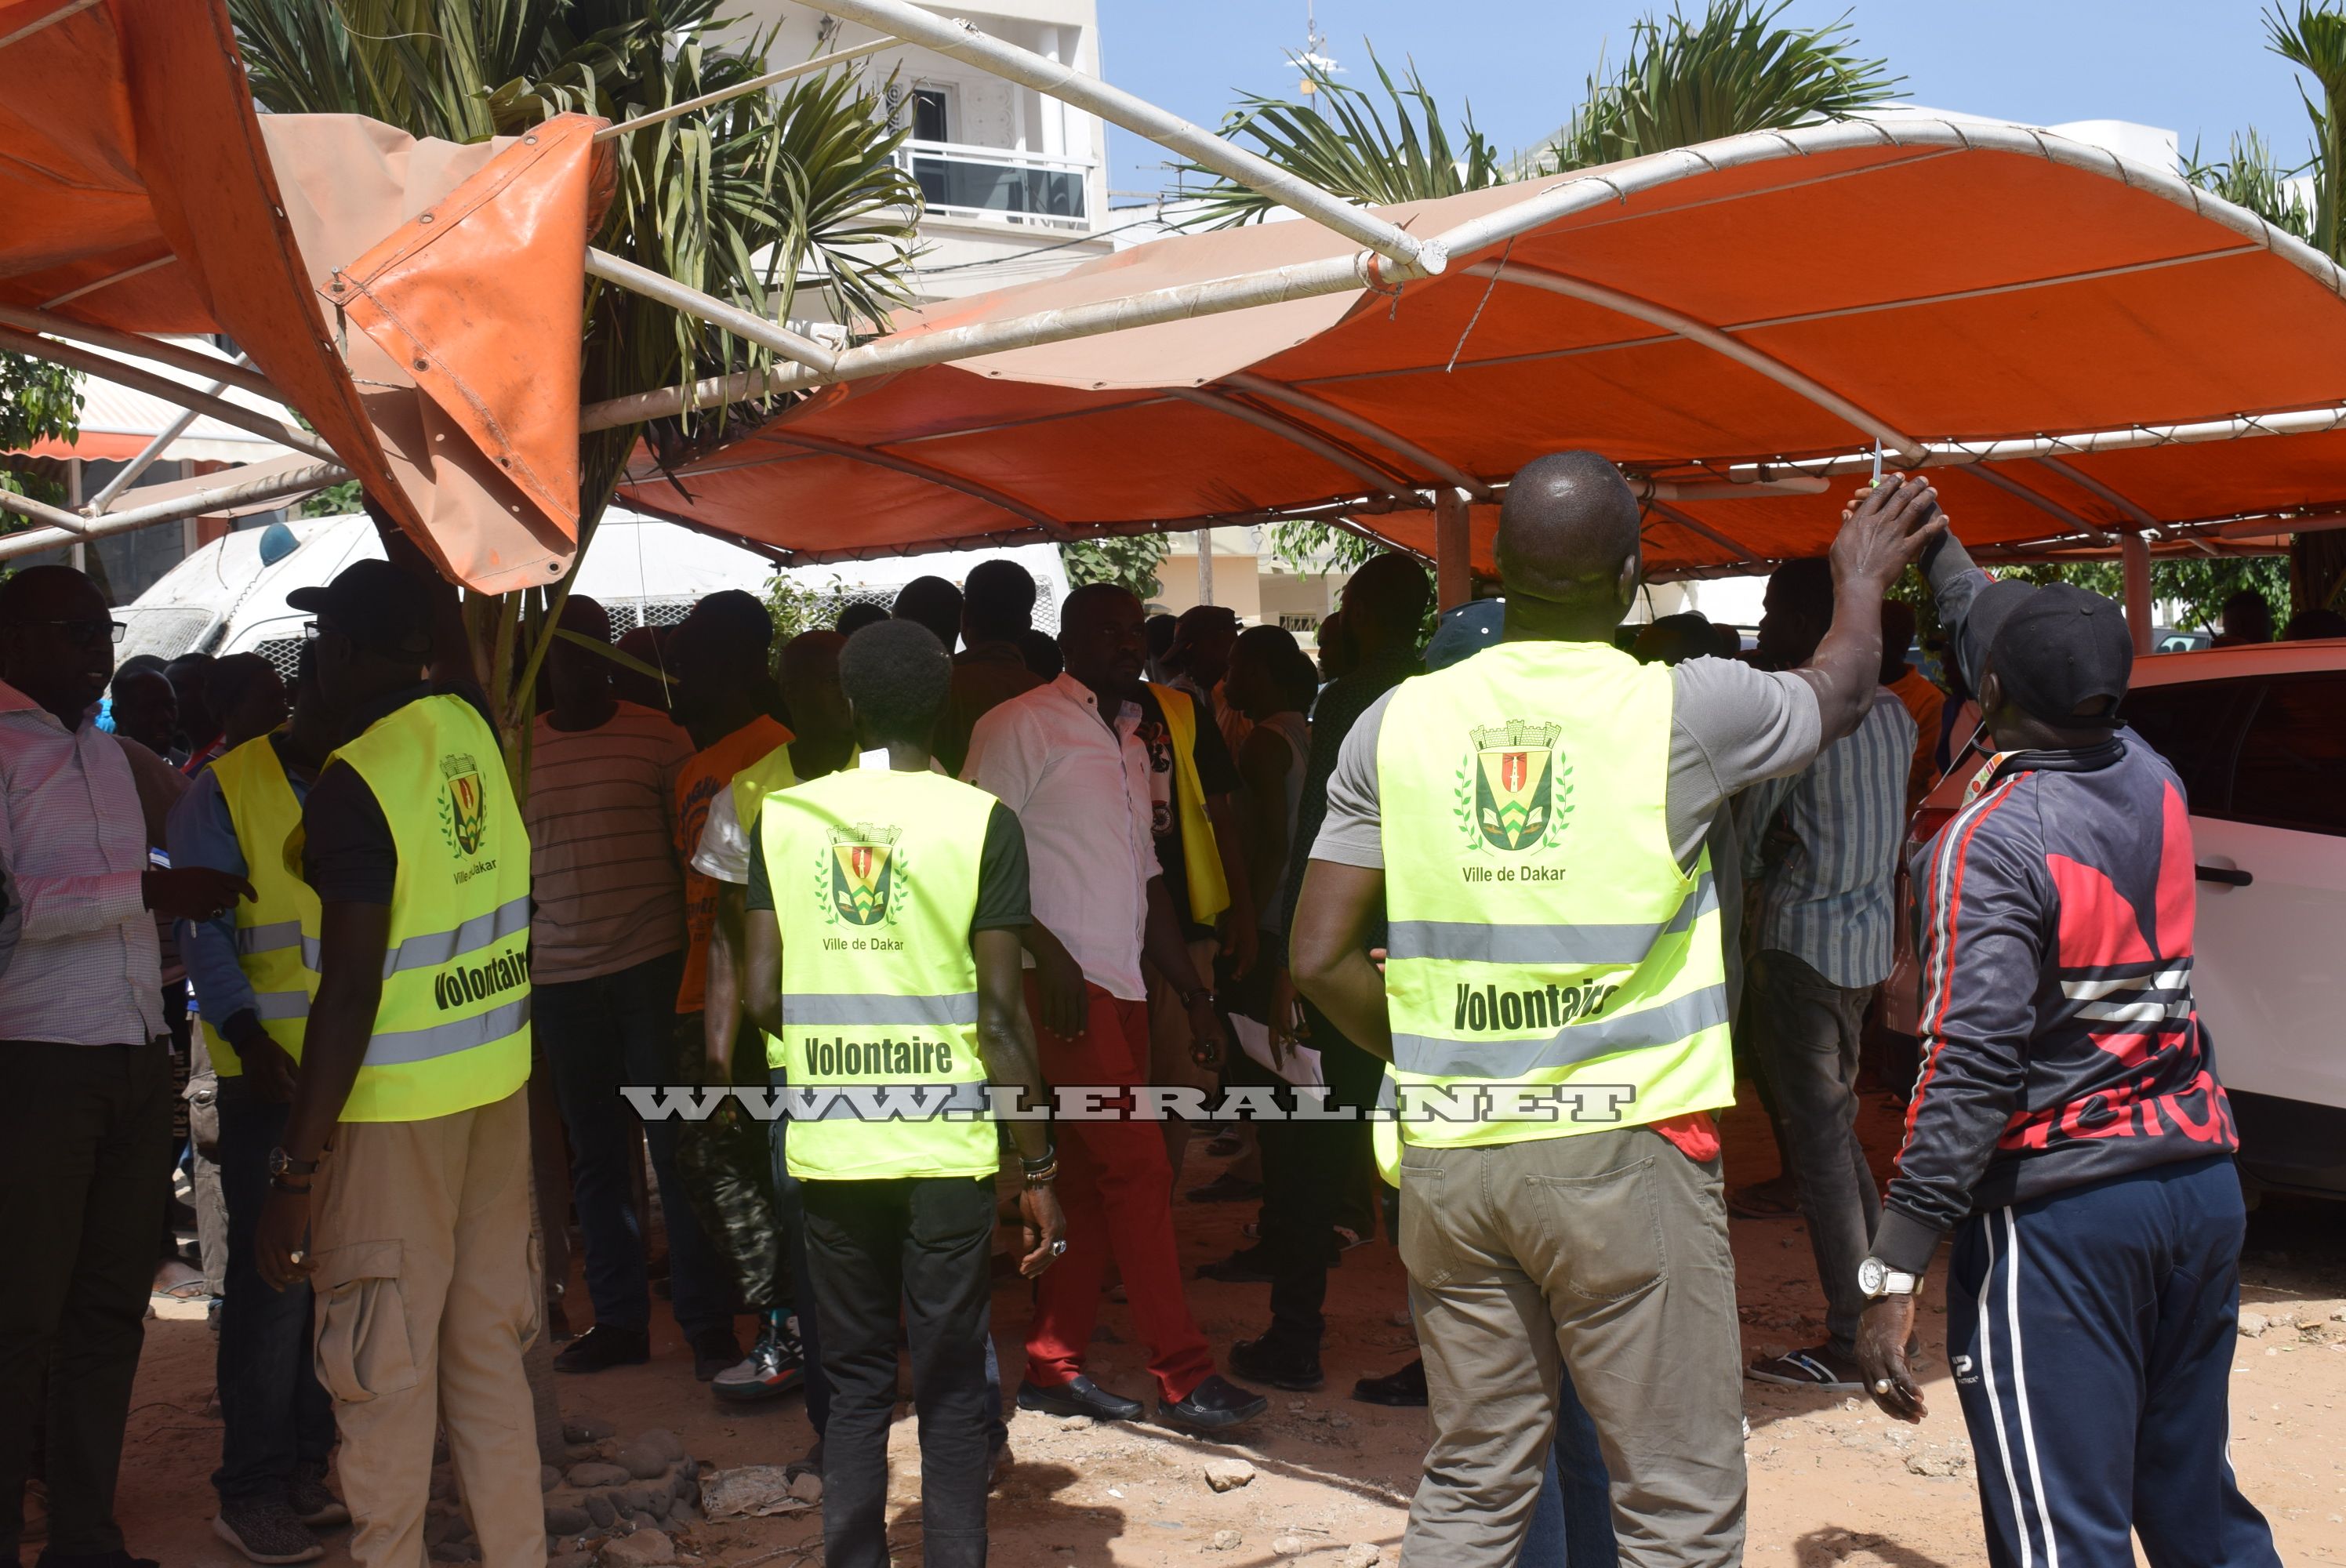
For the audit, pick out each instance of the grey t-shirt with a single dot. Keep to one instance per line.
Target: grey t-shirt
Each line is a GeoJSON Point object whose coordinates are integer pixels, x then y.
{"type": "Point", "coordinates": [1730, 726]}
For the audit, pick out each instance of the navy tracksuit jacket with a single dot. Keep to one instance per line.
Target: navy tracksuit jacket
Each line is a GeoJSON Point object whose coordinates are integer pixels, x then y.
{"type": "Point", "coordinates": [2068, 1128]}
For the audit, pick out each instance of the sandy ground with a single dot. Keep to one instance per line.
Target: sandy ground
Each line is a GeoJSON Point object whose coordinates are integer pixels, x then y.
{"type": "Point", "coordinates": [1831, 1482]}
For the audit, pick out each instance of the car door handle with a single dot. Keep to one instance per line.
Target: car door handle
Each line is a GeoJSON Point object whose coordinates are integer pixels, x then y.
{"type": "Point", "coordinates": [2231, 876]}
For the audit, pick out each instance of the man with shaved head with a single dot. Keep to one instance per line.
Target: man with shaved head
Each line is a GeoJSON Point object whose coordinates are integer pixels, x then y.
{"type": "Point", "coordinates": [1530, 823]}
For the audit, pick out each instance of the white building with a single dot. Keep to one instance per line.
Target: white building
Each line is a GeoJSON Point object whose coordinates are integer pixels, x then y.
{"type": "Point", "coordinates": [1016, 183]}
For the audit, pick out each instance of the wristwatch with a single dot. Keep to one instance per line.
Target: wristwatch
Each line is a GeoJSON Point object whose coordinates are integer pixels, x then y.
{"type": "Point", "coordinates": [281, 1164]}
{"type": "Point", "coordinates": [1876, 1279]}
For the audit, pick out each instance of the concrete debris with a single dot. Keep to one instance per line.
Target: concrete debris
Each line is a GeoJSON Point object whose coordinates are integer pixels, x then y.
{"type": "Point", "coordinates": [1225, 1540]}
{"type": "Point", "coordinates": [1935, 1463]}
{"type": "Point", "coordinates": [2253, 1324]}
{"type": "Point", "coordinates": [1287, 1545]}
{"type": "Point", "coordinates": [642, 1547]}
{"type": "Point", "coordinates": [1227, 1474]}
{"type": "Point", "coordinates": [752, 1490]}
{"type": "Point", "coordinates": [1363, 1554]}
{"type": "Point", "coordinates": [1076, 1423]}
{"type": "Point", "coordinates": [807, 1486]}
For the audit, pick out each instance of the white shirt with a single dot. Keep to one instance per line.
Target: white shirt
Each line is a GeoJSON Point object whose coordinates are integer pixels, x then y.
{"type": "Point", "coordinates": [1081, 793]}
{"type": "Point", "coordinates": [87, 970]}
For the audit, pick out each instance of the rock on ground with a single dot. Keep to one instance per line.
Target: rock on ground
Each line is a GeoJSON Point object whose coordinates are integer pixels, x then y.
{"type": "Point", "coordinates": [592, 1475]}
{"type": "Point", "coordinates": [643, 1546]}
{"type": "Point", "coordinates": [1224, 1540]}
{"type": "Point", "coordinates": [1363, 1554]}
{"type": "Point", "coordinates": [1227, 1474]}
{"type": "Point", "coordinates": [750, 1491]}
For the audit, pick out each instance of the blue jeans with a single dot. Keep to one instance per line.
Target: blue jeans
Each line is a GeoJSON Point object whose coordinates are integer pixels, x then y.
{"type": "Point", "coordinates": [789, 1204]}
{"type": "Point", "coordinates": [598, 1034]}
{"type": "Point", "coordinates": [274, 1413]}
{"type": "Point", "coordinates": [1574, 1520]}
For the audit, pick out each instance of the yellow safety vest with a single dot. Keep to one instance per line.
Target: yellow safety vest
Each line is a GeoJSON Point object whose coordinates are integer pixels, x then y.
{"type": "Point", "coordinates": [875, 878]}
{"type": "Point", "coordinates": [1201, 856]}
{"type": "Point", "coordinates": [276, 931]}
{"type": "Point", "coordinates": [451, 1031]}
{"type": "Point", "coordinates": [1542, 936]}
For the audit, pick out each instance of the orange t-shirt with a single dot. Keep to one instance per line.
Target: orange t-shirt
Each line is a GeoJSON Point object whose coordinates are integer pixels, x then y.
{"type": "Point", "coordinates": [696, 784]}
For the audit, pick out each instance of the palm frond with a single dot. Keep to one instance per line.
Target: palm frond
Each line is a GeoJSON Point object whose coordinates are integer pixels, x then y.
{"type": "Point", "coordinates": [2251, 178]}
{"type": "Point", "coordinates": [2315, 43]}
{"type": "Point", "coordinates": [1736, 70]}
{"type": "Point", "coordinates": [1340, 142]}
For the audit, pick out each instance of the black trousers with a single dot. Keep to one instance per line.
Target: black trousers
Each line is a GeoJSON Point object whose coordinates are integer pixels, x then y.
{"type": "Point", "coordinates": [84, 1157]}
{"type": "Point", "coordinates": [873, 1247]}
{"type": "Point", "coordinates": [1309, 1167]}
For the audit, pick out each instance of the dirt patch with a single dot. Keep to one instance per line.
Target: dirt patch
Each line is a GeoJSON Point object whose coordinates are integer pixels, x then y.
{"type": "Point", "coordinates": [1832, 1482]}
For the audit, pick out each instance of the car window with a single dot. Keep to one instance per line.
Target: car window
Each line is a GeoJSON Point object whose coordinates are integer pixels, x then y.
{"type": "Point", "coordinates": [2291, 772]}
{"type": "Point", "coordinates": [2196, 726]}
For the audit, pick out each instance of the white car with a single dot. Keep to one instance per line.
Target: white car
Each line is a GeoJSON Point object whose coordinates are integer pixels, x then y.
{"type": "Point", "coordinates": [2257, 735]}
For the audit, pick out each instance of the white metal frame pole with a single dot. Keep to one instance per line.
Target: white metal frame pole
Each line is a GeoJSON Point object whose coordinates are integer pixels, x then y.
{"type": "Point", "coordinates": [2133, 562]}
{"type": "Point", "coordinates": [293, 482]}
{"type": "Point", "coordinates": [961, 40]}
{"type": "Point", "coordinates": [690, 301]}
{"type": "Point", "coordinates": [758, 83]}
{"type": "Point", "coordinates": [171, 391]}
{"type": "Point", "coordinates": [1454, 548]}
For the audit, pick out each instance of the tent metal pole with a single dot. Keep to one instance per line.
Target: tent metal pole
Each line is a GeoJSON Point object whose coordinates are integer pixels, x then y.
{"type": "Point", "coordinates": [755, 85]}
{"type": "Point", "coordinates": [1454, 548]}
{"type": "Point", "coordinates": [236, 372]}
{"type": "Point", "coordinates": [1360, 468]}
{"type": "Point", "coordinates": [2046, 504]}
{"type": "Point", "coordinates": [292, 482]}
{"type": "Point", "coordinates": [2134, 560]}
{"type": "Point", "coordinates": [71, 8]}
{"type": "Point", "coordinates": [146, 456]}
{"type": "Point", "coordinates": [62, 527]}
{"type": "Point", "coordinates": [1709, 337]}
{"type": "Point", "coordinates": [111, 279]}
{"type": "Point", "coordinates": [691, 301]}
{"type": "Point", "coordinates": [1043, 520]}
{"type": "Point", "coordinates": [1302, 280]}
{"type": "Point", "coordinates": [960, 40]}
{"type": "Point", "coordinates": [1743, 553]}
{"type": "Point", "coordinates": [1344, 418]}
{"type": "Point", "coordinates": [171, 391]}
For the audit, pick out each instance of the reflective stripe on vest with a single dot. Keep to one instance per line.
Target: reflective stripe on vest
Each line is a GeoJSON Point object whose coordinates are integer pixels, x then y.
{"type": "Point", "coordinates": [276, 931]}
{"type": "Point", "coordinates": [876, 879]}
{"type": "Point", "coordinates": [1542, 935]}
{"type": "Point", "coordinates": [451, 1031]}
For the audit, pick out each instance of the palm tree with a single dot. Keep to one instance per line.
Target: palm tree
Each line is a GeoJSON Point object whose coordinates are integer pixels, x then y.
{"type": "Point", "coordinates": [757, 200]}
{"type": "Point", "coordinates": [1735, 70]}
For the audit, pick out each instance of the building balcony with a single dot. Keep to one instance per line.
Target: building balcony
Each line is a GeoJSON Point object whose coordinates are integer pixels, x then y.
{"type": "Point", "coordinates": [959, 180]}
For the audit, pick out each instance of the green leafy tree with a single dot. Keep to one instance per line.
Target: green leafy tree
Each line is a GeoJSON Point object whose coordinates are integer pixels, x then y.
{"type": "Point", "coordinates": [1129, 561]}
{"type": "Point", "coordinates": [38, 401]}
{"type": "Point", "coordinates": [2250, 176]}
{"type": "Point", "coordinates": [773, 201]}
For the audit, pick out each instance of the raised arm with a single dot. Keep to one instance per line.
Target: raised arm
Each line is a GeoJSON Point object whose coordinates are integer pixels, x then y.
{"type": "Point", "coordinates": [1880, 536]}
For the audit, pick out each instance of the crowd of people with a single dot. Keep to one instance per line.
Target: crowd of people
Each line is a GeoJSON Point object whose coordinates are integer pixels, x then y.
{"type": "Point", "coordinates": [317, 933]}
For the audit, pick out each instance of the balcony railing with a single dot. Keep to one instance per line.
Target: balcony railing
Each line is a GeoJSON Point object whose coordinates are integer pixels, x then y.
{"type": "Point", "coordinates": [994, 181]}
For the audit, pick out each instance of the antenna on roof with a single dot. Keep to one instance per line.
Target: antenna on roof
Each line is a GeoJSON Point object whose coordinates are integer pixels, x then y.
{"type": "Point", "coordinates": [1315, 58]}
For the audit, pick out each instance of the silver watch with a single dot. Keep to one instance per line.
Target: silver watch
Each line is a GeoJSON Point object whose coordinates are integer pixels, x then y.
{"type": "Point", "coordinates": [1877, 1279]}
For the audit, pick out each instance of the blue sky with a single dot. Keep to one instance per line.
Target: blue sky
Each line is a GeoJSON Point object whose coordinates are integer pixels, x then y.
{"type": "Point", "coordinates": [2196, 67]}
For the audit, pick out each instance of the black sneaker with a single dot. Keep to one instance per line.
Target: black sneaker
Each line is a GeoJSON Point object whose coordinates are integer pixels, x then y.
{"type": "Point", "coordinates": [713, 1351]}
{"type": "Point", "coordinates": [1079, 1396]}
{"type": "Point", "coordinates": [603, 1346]}
{"type": "Point", "coordinates": [1280, 1363]}
{"type": "Point", "coordinates": [1215, 1405]}
{"type": "Point", "coordinates": [265, 1530]}
{"type": "Point", "coordinates": [1405, 1388]}
{"type": "Point", "coordinates": [775, 1365]}
{"type": "Point", "coordinates": [311, 1503]}
{"type": "Point", "coordinates": [1251, 1267]}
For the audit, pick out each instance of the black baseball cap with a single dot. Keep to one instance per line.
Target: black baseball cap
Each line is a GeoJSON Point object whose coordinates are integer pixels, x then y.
{"type": "Point", "coordinates": [378, 606]}
{"type": "Point", "coordinates": [1464, 631]}
{"type": "Point", "coordinates": [2062, 654]}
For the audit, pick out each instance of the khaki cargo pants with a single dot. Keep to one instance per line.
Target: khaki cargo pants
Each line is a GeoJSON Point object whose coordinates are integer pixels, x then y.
{"type": "Point", "coordinates": [1605, 1253]}
{"type": "Point", "coordinates": [428, 1292]}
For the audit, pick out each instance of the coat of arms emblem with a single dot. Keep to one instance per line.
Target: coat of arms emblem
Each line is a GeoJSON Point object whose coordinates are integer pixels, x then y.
{"type": "Point", "coordinates": [863, 872]}
{"type": "Point", "coordinates": [1512, 795]}
{"type": "Point", "coordinates": [463, 805]}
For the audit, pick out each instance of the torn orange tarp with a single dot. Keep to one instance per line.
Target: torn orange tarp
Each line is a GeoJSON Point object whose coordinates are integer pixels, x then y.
{"type": "Point", "coordinates": [1693, 316]}
{"type": "Point", "coordinates": [143, 193]}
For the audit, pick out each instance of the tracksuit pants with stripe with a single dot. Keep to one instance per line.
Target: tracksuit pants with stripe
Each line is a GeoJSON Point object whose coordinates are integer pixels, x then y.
{"type": "Point", "coordinates": [2091, 1334]}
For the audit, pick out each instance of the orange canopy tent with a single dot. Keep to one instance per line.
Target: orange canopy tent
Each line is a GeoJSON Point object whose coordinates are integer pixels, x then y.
{"type": "Point", "coordinates": [417, 303]}
{"type": "Point", "coordinates": [2076, 343]}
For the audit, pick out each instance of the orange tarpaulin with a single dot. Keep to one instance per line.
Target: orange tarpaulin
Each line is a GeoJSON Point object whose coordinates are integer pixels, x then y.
{"type": "Point", "coordinates": [144, 194]}
{"type": "Point", "coordinates": [1757, 301]}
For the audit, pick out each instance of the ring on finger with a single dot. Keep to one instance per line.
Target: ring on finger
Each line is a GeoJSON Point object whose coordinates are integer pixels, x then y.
{"type": "Point", "coordinates": [1881, 1385]}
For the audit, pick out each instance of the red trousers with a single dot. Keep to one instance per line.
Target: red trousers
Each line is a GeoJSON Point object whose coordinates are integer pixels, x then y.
{"type": "Point", "coordinates": [1116, 1190]}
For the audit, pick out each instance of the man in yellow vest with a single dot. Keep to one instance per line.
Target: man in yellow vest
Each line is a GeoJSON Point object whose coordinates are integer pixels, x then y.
{"type": "Point", "coordinates": [401, 1191]}
{"type": "Point", "coordinates": [251, 970]}
{"type": "Point", "coordinates": [886, 914]}
{"type": "Point", "coordinates": [1530, 822]}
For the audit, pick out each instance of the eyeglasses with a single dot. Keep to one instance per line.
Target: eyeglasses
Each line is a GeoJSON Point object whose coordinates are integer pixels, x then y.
{"type": "Point", "coordinates": [85, 634]}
